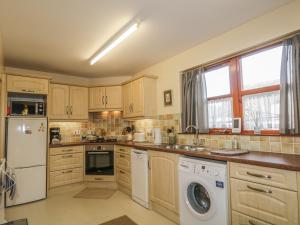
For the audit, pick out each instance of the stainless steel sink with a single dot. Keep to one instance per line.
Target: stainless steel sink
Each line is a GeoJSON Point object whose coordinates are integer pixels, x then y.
{"type": "Point", "coordinates": [185, 147]}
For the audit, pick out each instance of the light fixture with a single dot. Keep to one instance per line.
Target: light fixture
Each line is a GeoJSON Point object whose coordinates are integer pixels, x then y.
{"type": "Point", "coordinates": [114, 43]}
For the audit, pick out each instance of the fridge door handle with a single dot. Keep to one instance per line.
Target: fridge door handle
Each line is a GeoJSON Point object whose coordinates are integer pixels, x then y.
{"type": "Point", "coordinates": [28, 132]}
{"type": "Point", "coordinates": [26, 167]}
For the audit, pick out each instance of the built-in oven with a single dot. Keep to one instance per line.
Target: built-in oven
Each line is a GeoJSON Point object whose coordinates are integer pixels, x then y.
{"type": "Point", "coordinates": [99, 160]}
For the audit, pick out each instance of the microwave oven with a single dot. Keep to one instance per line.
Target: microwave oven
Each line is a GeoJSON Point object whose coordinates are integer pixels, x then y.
{"type": "Point", "coordinates": [20, 106]}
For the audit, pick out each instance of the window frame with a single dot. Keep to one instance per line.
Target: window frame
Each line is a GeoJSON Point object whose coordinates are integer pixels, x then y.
{"type": "Point", "coordinates": [237, 93]}
{"type": "Point", "coordinates": [215, 67]}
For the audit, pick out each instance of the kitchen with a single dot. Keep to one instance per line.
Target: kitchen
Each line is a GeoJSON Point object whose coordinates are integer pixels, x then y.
{"type": "Point", "coordinates": [195, 127]}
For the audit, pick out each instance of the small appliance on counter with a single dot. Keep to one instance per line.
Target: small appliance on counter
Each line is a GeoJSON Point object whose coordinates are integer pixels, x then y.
{"type": "Point", "coordinates": [55, 136]}
{"type": "Point", "coordinates": [139, 137]}
{"type": "Point", "coordinates": [157, 136]}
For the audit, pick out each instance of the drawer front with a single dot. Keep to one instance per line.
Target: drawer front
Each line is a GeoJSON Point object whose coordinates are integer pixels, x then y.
{"type": "Point", "coordinates": [123, 161]}
{"type": "Point", "coordinates": [241, 219]}
{"type": "Point", "coordinates": [270, 204]}
{"type": "Point", "coordinates": [263, 175]}
{"type": "Point", "coordinates": [66, 161]}
{"type": "Point", "coordinates": [59, 178]}
{"type": "Point", "coordinates": [122, 149]}
{"type": "Point", "coordinates": [97, 178]}
{"type": "Point", "coordinates": [66, 150]}
{"type": "Point", "coordinates": [124, 178]}
{"type": "Point", "coordinates": [27, 85]}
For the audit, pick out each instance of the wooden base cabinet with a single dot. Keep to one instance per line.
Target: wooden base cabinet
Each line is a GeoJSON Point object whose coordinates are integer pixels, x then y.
{"type": "Point", "coordinates": [65, 165]}
{"type": "Point", "coordinates": [241, 219]}
{"type": "Point", "coordinates": [256, 194]}
{"type": "Point", "coordinates": [123, 168]}
{"type": "Point", "coordinates": [164, 182]}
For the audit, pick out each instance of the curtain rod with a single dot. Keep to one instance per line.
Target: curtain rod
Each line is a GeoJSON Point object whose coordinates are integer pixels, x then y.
{"type": "Point", "coordinates": [246, 50]}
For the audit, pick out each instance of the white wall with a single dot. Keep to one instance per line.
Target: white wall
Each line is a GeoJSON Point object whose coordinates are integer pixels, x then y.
{"type": "Point", "coordinates": [274, 24]}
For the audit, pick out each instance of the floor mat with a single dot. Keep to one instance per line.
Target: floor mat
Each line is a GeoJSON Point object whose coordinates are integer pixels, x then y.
{"type": "Point", "coordinates": [123, 220]}
{"type": "Point", "coordinates": [100, 193]}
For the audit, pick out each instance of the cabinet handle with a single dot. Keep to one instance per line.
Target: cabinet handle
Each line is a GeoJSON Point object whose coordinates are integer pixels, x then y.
{"type": "Point", "coordinates": [149, 164]}
{"type": "Point", "coordinates": [122, 156]}
{"type": "Point", "coordinates": [259, 175]}
{"type": "Point", "coordinates": [31, 91]}
{"type": "Point", "coordinates": [259, 190]}
{"type": "Point", "coordinates": [105, 100]}
{"type": "Point", "coordinates": [68, 171]}
{"type": "Point", "coordinates": [98, 178]}
{"type": "Point", "coordinates": [67, 110]}
{"type": "Point", "coordinates": [132, 107]}
{"type": "Point", "coordinates": [251, 222]}
{"type": "Point", "coordinates": [71, 110]}
{"type": "Point", "coordinates": [121, 171]}
{"type": "Point", "coordinates": [122, 150]}
{"type": "Point", "coordinates": [67, 156]}
{"type": "Point", "coordinates": [102, 100]}
{"type": "Point", "coordinates": [67, 150]}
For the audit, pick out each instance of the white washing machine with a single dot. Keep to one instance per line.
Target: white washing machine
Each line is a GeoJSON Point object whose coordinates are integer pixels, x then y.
{"type": "Point", "coordinates": [203, 192]}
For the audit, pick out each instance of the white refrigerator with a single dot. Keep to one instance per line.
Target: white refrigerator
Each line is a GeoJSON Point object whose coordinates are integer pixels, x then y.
{"type": "Point", "coordinates": [26, 153]}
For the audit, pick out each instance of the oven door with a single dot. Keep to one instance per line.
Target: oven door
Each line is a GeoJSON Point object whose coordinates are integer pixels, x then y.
{"type": "Point", "coordinates": [99, 163]}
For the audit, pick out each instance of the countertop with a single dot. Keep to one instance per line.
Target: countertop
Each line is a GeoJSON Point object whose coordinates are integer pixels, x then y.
{"type": "Point", "coordinates": [266, 159]}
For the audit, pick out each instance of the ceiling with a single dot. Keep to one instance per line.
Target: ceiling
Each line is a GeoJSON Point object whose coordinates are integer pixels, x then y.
{"type": "Point", "coordinates": [61, 35]}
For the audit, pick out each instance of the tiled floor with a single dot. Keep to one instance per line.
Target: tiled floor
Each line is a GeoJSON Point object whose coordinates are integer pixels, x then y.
{"type": "Point", "coordinates": [63, 209]}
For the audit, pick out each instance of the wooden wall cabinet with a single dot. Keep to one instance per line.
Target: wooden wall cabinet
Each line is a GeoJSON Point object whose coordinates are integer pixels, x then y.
{"type": "Point", "coordinates": [65, 165]}
{"type": "Point", "coordinates": [139, 98]}
{"type": "Point", "coordinates": [164, 183]}
{"type": "Point", "coordinates": [105, 98]}
{"type": "Point", "coordinates": [68, 102]}
{"type": "Point", "coordinates": [30, 85]}
{"type": "Point", "coordinates": [263, 195]}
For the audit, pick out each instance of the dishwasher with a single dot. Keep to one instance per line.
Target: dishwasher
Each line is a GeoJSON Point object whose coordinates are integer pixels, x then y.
{"type": "Point", "coordinates": [139, 177]}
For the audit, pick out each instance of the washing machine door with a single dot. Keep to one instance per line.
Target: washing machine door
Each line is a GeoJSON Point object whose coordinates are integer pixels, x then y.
{"type": "Point", "coordinates": [199, 199]}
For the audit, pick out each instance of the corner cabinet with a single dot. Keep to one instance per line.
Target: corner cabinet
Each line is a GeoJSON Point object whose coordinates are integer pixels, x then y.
{"type": "Point", "coordinates": [105, 98]}
{"type": "Point", "coordinates": [139, 97]}
{"type": "Point", "coordinates": [30, 85]}
{"type": "Point", "coordinates": [164, 183]}
{"type": "Point", "coordinates": [68, 102]}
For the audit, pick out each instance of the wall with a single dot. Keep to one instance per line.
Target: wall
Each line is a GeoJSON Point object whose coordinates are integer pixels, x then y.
{"type": "Point", "coordinates": [68, 79]}
{"type": "Point", "coordinates": [274, 24]}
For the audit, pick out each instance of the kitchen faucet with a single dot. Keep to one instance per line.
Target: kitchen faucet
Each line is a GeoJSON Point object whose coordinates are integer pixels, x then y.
{"type": "Point", "coordinates": [196, 137]}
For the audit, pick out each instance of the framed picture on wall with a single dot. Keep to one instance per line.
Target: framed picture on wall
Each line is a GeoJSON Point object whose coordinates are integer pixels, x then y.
{"type": "Point", "coordinates": [168, 97]}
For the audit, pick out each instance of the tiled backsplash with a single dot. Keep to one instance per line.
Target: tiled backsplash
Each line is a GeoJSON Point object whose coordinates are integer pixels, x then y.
{"type": "Point", "coordinates": [113, 123]}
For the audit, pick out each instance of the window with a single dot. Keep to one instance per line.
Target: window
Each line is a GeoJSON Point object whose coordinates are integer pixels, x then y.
{"type": "Point", "coordinates": [219, 97]}
{"type": "Point", "coordinates": [260, 75]}
{"type": "Point", "coordinates": [246, 86]}
{"type": "Point", "coordinates": [261, 69]}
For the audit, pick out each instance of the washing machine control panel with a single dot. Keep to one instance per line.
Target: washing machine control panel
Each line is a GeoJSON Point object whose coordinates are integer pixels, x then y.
{"type": "Point", "coordinates": [202, 169]}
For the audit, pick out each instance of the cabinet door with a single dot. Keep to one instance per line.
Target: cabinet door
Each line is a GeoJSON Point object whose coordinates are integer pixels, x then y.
{"type": "Point", "coordinates": [241, 219]}
{"type": "Point", "coordinates": [113, 97]}
{"type": "Point", "coordinates": [138, 97]}
{"type": "Point", "coordinates": [78, 103]}
{"type": "Point", "coordinates": [127, 100]}
{"type": "Point", "coordinates": [59, 101]}
{"type": "Point", "coordinates": [96, 98]}
{"type": "Point", "coordinates": [272, 205]}
{"type": "Point", "coordinates": [62, 177]}
{"type": "Point", "coordinates": [27, 85]}
{"type": "Point", "coordinates": [164, 180]}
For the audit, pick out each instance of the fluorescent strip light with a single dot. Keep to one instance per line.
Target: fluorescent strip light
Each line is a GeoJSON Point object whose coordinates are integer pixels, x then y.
{"type": "Point", "coordinates": [115, 43]}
